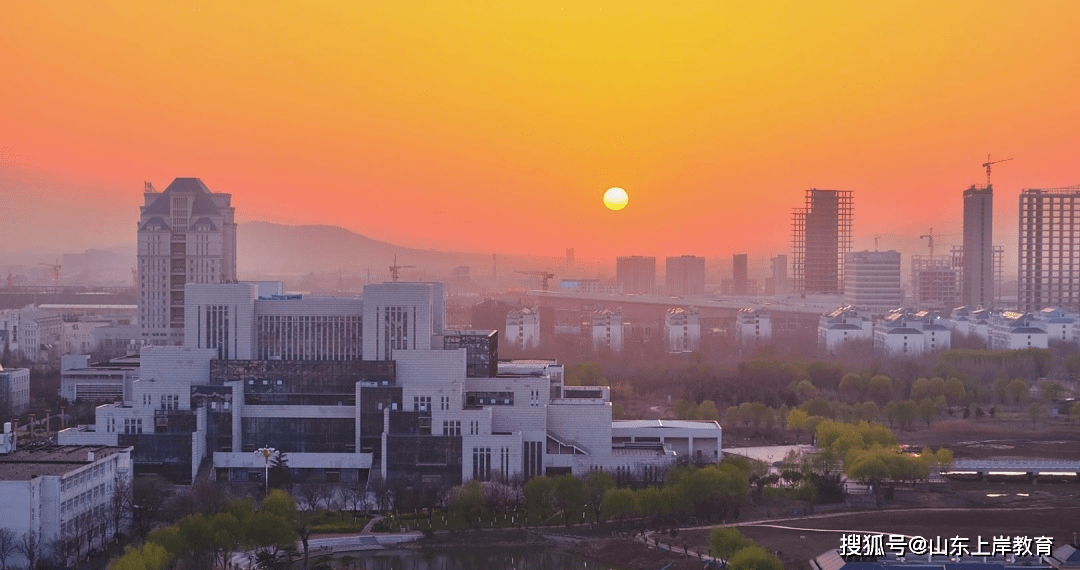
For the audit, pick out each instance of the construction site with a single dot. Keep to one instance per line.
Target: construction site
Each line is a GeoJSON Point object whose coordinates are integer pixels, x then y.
{"type": "Point", "coordinates": [820, 240]}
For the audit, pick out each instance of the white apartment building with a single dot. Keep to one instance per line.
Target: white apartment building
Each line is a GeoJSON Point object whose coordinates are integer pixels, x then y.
{"type": "Point", "coordinates": [908, 333]}
{"type": "Point", "coordinates": [14, 391]}
{"type": "Point", "coordinates": [1060, 325]}
{"type": "Point", "coordinates": [60, 492]}
{"type": "Point", "coordinates": [80, 337]}
{"type": "Point", "coordinates": [842, 326]}
{"type": "Point", "coordinates": [1013, 330]}
{"type": "Point", "coordinates": [607, 330]}
{"type": "Point", "coordinates": [753, 327]}
{"type": "Point", "coordinates": [968, 321]}
{"type": "Point", "coordinates": [682, 329]}
{"type": "Point", "coordinates": [187, 234]}
{"type": "Point", "coordinates": [523, 328]}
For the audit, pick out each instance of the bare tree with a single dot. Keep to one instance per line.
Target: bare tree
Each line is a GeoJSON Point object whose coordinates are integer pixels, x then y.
{"type": "Point", "coordinates": [32, 548]}
{"type": "Point", "coordinates": [355, 497]}
{"type": "Point", "coordinates": [64, 548]}
{"type": "Point", "coordinates": [9, 543]}
{"type": "Point", "coordinates": [119, 505]}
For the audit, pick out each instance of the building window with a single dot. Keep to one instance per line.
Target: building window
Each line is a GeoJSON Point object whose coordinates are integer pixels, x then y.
{"type": "Point", "coordinates": [444, 403]}
{"type": "Point", "coordinates": [421, 403]}
{"type": "Point", "coordinates": [481, 463]}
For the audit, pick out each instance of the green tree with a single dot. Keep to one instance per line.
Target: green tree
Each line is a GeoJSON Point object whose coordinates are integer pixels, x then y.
{"type": "Point", "coordinates": [467, 502]}
{"type": "Point", "coordinates": [725, 541]}
{"type": "Point", "coordinates": [540, 495]}
{"type": "Point", "coordinates": [866, 411]}
{"type": "Point", "coordinates": [955, 391]}
{"type": "Point", "coordinates": [597, 484]}
{"type": "Point", "coordinates": [1001, 390]}
{"type": "Point", "coordinates": [1034, 412]}
{"type": "Point", "coordinates": [619, 504]}
{"type": "Point", "coordinates": [754, 558]}
{"type": "Point", "coordinates": [818, 407]}
{"type": "Point", "coordinates": [569, 495]}
{"type": "Point", "coordinates": [1018, 391]}
{"type": "Point", "coordinates": [880, 389]}
{"type": "Point", "coordinates": [1050, 391]}
{"type": "Point", "coordinates": [805, 390]}
{"type": "Point", "coordinates": [853, 386]}
{"type": "Point", "coordinates": [651, 502]}
{"type": "Point", "coordinates": [685, 410]}
{"type": "Point", "coordinates": [927, 411]}
{"type": "Point", "coordinates": [797, 420]}
{"type": "Point", "coordinates": [707, 411]}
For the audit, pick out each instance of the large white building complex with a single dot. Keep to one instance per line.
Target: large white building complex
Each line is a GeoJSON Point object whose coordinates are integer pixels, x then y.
{"type": "Point", "coordinates": [345, 386]}
{"type": "Point", "coordinates": [907, 333]}
{"type": "Point", "coordinates": [187, 234]}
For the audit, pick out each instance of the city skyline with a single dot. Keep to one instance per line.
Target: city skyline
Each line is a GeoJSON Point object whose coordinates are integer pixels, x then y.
{"type": "Point", "coordinates": [437, 128]}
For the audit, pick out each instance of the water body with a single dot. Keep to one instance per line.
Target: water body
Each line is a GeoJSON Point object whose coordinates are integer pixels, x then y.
{"type": "Point", "coordinates": [488, 558]}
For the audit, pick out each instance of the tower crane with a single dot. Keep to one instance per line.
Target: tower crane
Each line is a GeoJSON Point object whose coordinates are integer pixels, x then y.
{"type": "Point", "coordinates": [543, 275]}
{"type": "Point", "coordinates": [395, 268]}
{"type": "Point", "coordinates": [987, 164]}
{"type": "Point", "coordinates": [55, 271]}
{"type": "Point", "coordinates": [929, 241]}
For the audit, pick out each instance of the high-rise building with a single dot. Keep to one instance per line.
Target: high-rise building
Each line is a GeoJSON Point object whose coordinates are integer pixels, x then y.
{"type": "Point", "coordinates": [820, 240]}
{"type": "Point", "coordinates": [685, 275]}
{"type": "Point", "coordinates": [739, 280]}
{"type": "Point", "coordinates": [636, 273]}
{"type": "Point", "coordinates": [872, 280]}
{"type": "Point", "coordinates": [187, 234]}
{"type": "Point", "coordinates": [778, 283]}
{"type": "Point", "coordinates": [1049, 262]}
{"type": "Point", "coordinates": [977, 281]}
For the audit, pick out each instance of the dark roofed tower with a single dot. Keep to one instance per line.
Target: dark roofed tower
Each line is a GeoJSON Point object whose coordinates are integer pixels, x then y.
{"type": "Point", "coordinates": [187, 234]}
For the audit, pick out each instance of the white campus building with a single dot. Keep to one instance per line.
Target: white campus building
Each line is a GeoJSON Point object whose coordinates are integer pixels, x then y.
{"type": "Point", "coordinates": [523, 328]}
{"type": "Point", "coordinates": [345, 386]}
{"type": "Point", "coordinates": [843, 326]}
{"type": "Point", "coordinates": [682, 329]}
{"type": "Point", "coordinates": [60, 492]}
{"type": "Point", "coordinates": [909, 333]}
{"type": "Point", "coordinates": [753, 327]}
{"type": "Point", "coordinates": [187, 234]}
{"type": "Point", "coordinates": [14, 391]}
{"type": "Point", "coordinates": [606, 328]}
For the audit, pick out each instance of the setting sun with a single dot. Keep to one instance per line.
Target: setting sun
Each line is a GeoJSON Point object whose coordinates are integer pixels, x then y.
{"type": "Point", "coordinates": [615, 199]}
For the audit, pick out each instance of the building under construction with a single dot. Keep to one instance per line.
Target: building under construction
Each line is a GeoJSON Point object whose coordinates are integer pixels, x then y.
{"type": "Point", "coordinates": [820, 240]}
{"type": "Point", "coordinates": [935, 282]}
{"type": "Point", "coordinates": [997, 253]}
{"type": "Point", "coordinates": [1049, 269]}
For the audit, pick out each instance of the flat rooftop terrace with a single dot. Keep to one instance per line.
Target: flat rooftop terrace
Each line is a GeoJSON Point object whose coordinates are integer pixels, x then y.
{"type": "Point", "coordinates": [26, 463]}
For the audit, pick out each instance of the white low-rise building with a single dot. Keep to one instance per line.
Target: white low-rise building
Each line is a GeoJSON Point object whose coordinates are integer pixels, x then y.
{"type": "Point", "coordinates": [101, 382]}
{"type": "Point", "coordinates": [1060, 324]}
{"type": "Point", "coordinates": [1013, 330]}
{"type": "Point", "coordinates": [523, 328]}
{"type": "Point", "coordinates": [607, 330]}
{"type": "Point", "coordinates": [843, 326]}
{"type": "Point", "coordinates": [753, 327]}
{"type": "Point", "coordinates": [972, 322]}
{"type": "Point", "coordinates": [14, 391]}
{"type": "Point", "coordinates": [62, 493]}
{"type": "Point", "coordinates": [909, 333]}
{"type": "Point", "coordinates": [682, 329]}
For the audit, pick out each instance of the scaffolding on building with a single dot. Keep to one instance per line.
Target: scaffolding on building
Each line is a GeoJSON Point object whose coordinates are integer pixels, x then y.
{"type": "Point", "coordinates": [820, 241]}
{"type": "Point", "coordinates": [956, 259]}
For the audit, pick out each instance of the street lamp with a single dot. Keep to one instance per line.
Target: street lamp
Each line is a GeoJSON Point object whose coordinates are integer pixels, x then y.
{"type": "Point", "coordinates": [266, 452]}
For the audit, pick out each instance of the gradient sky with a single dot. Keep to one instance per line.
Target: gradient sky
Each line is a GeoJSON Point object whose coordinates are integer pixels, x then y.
{"type": "Point", "coordinates": [497, 126]}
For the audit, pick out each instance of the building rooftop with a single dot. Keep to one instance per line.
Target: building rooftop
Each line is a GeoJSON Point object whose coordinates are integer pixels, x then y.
{"type": "Point", "coordinates": [27, 463]}
{"type": "Point", "coordinates": [668, 424]}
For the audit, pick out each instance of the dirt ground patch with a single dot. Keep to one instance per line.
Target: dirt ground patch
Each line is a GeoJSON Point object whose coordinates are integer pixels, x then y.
{"type": "Point", "coordinates": [1001, 439]}
{"type": "Point", "coordinates": [810, 537]}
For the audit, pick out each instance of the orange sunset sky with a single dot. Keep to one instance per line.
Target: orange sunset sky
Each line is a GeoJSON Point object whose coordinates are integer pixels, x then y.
{"type": "Point", "coordinates": [497, 126]}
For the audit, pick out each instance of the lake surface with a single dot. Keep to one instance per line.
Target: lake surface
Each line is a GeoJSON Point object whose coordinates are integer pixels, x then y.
{"type": "Point", "coordinates": [488, 558]}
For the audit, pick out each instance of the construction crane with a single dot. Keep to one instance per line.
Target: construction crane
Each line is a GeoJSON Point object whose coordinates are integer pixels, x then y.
{"type": "Point", "coordinates": [55, 269]}
{"type": "Point", "coordinates": [987, 164]}
{"type": "Point", "coordinates": [395, 268]}
{"type": "Point", "coordinates": [929, 240]}
{"type": "Point", "coordinates": [134, 277]}
{"type": "Point", "coordinates": [543, 275]}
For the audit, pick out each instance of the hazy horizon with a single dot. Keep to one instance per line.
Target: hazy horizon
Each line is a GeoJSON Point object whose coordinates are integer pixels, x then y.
{"type": "Point", "coordinates": [479, 128]}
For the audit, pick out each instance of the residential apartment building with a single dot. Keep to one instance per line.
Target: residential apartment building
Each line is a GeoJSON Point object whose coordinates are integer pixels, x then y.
{"type": "Point", "coordinates": [682, 329]}
{"type": "Point", "coordinates": [684, 276]}
{"type": "Point", "coordinates": [523, 328]}
{"type": "Point", "coordinates": [753, 327]}
{"type": "Point", "coordinates": [906, 333]}
{"type": "Point", "coordinates": [637, 274]}
{"type": "Point", "coordinates": [872, 281]}
{"type": "Point", "coordinates": [1049, 249]}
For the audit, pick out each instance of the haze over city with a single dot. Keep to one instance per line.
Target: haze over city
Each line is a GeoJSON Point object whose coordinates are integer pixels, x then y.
{"type": "Point", "coordinates": [497, 128]}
